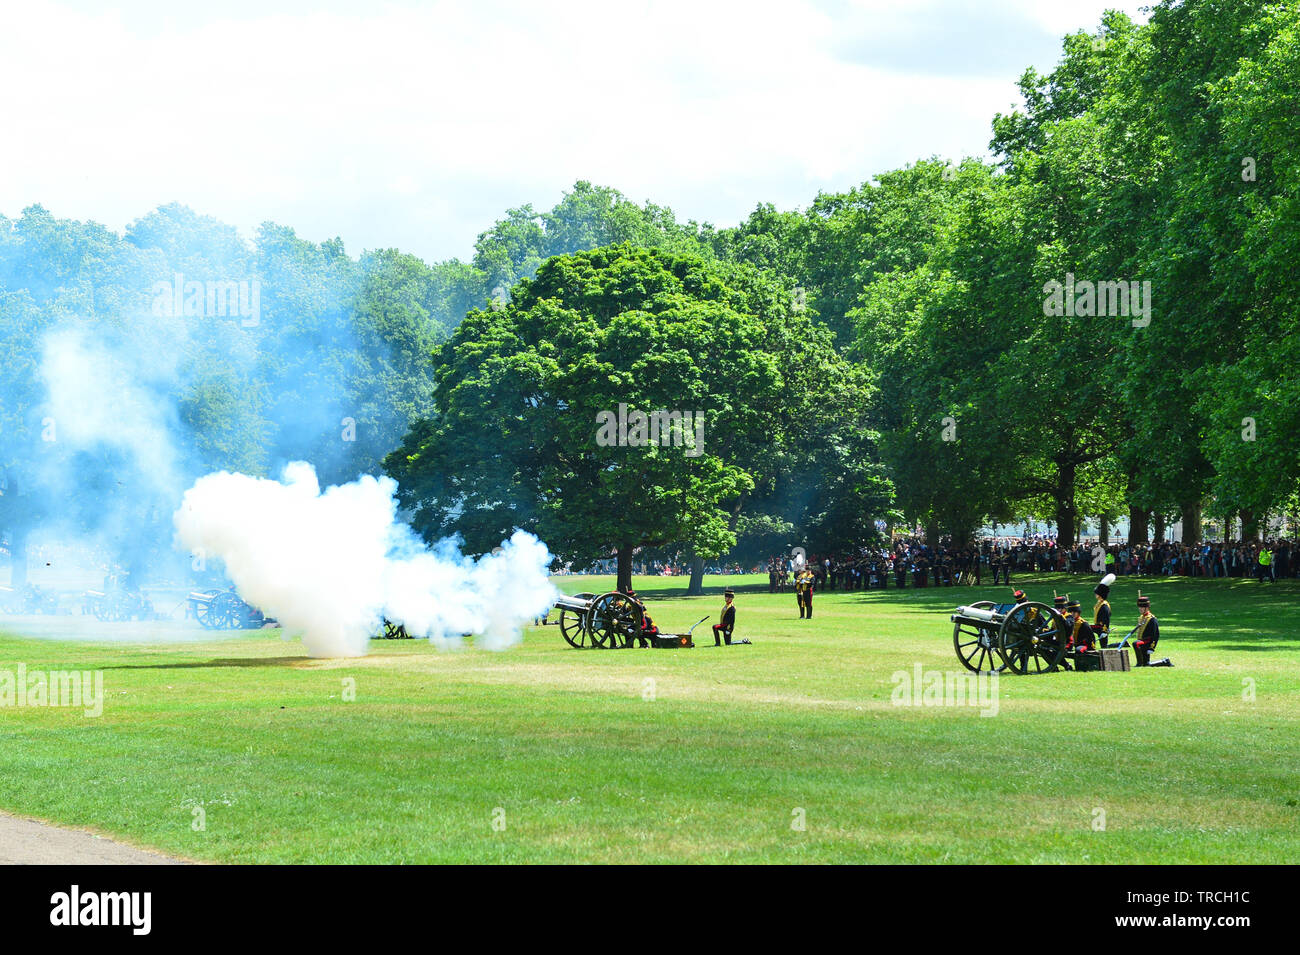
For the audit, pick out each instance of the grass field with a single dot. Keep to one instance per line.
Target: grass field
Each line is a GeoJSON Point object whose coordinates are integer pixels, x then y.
{"type": "Point", "coordinates": [548, 754]}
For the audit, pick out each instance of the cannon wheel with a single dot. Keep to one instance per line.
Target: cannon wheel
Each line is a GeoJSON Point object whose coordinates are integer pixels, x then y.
{"type": "Point", "coordinates": [394, 631]}
{"type": "Point", "coordinates": [225, 612]}
{"type": "Point", "coordinates": [203, 609]}
{"type": "Point", "coordinates": [613, 619]}
{"type": "Point", "coordinates": [574, 625]}
{"type": "Point", "coordinates": [976, 646]}
{"type": "Point", "coordinates": [1033, 638]}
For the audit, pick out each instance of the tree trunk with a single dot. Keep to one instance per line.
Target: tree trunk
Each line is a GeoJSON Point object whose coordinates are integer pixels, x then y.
{"type": "Point", "coordinates": [1138, 519]}
{"type": "Point", "coordinates": [696, 586]}
{"type": "Point", "coordinates": [1191, 517]}
{"type": "Point", "coordinates": [624, 568]}
{"type": "Point", "coordinates": [1159, 521]}
{"type": "Point", "coordinates": [1249, 526]}
{"type": "Point", "coordinates": [932, 533]}
{"type": "Point", "coordinates": [1103, 530]}
{"type": "Point", "coordinates": [1067, 514]}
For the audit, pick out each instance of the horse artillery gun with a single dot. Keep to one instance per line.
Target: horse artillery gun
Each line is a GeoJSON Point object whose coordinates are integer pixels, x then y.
{"type": "Point", "coordinates": [1023, 637]}
{"type": "Point", "coordinates": [117, 604]}
{"type": "Point", "coordinates": [612, 621]}
{"type": "Point", "coordinates": [609, 620]}
{"type": "Point", "coordinates": [28, 599]}
{"type": "Point", "coordinates": [223, 610]}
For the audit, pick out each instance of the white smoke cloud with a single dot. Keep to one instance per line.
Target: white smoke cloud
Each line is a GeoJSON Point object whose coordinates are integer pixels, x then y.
{"type": "Point", "coordinates": [331, 564]}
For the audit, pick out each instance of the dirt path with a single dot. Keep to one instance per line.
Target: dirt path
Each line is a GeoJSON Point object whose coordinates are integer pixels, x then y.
{"type": "Point", "coordinates": [26, 842]}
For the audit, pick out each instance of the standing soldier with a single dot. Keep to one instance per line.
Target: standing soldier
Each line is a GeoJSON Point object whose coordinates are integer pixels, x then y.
{"type": "Point", "coordinates": [803, 592]}
{"type": "Point", "coordinates": [1101, 612]}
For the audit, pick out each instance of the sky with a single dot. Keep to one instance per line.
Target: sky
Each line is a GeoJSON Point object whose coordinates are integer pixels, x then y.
{"type": "Point", "coordinates": [415, 125]}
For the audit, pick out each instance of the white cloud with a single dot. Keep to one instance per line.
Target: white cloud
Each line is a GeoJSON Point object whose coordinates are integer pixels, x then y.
{"type": "Point", "coordinates": [416, 125]}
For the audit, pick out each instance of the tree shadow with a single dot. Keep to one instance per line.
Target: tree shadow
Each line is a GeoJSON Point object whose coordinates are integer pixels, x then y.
{"type": "Point", "coordinates": [240, 662]}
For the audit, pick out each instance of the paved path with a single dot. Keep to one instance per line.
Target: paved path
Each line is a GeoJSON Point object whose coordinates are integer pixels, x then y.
{"type": "Point", "coordinates": [26, 842]}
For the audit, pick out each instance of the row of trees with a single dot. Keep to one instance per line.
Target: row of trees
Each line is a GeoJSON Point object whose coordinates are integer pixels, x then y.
{"type": "Point", "coordinates": [1156, 161]}
{"type": "Point", "coordinates": [945, 344]}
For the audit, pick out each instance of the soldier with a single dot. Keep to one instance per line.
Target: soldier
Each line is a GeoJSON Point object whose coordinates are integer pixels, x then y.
{"type": "Point", "coordinates": [1146, 635]}
{"type": "Point", "coordinates": [727, 623]}
{"type": "Point", "coordinates": [1101, 612]}
{"type": "Point", "coordinates": [1082, 637]}
{"type": "Point", "coordinates": [648, 628]}
{"type": "Point", "coordinates": [803, 591]}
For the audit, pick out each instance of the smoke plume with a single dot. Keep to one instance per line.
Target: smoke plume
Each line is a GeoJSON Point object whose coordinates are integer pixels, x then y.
{"type": "Point", "coordinates": [332, 564]}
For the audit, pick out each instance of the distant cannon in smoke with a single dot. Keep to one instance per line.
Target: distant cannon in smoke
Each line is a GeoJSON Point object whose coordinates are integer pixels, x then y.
{"type": "Point", "coordinates": [116, 605]}
{"type": "Point", "coordinates": [392, 631]}
{"type": "Point", "coordinates": [224, 610]}
{"type": "Point", "coordinates": [28, 599]}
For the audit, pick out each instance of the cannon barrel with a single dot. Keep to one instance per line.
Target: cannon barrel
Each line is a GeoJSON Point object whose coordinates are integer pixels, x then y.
{"type": "Point", "coordinates": [977, 613]}
{"type": "Point", "coordinates": [578, 604]}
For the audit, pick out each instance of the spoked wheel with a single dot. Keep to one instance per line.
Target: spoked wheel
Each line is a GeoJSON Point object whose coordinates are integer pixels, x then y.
{"type": "Point", "coordinates": [976, 646]}
{"type": "Point", "coordinates": [225, 612]}
{"type": "Point", "coordinates": [573, 625]}
{"type": "Point", "coordinates": [203, 608]}
{"type": "Point", "coordinates": [1033, 638]}
{"type": "Point", "coordinates": [613, 619]}
{"type": "Point", "coordinates": [394, 631]}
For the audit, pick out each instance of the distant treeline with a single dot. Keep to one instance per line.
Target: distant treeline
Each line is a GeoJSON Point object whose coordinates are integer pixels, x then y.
{"type": "Point", "coordinates": [1101, 321]}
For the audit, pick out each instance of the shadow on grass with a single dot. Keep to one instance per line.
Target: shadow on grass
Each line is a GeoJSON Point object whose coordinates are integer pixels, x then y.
{"type": "Point", "coordinates": [240, 662]}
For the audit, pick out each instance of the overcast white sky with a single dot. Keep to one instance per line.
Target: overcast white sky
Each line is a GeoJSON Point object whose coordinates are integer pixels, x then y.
{"type": "Point", "coordinates": [415, 124]}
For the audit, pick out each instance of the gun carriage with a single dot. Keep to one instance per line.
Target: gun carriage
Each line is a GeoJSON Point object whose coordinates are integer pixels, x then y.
{"type": "Point", "coordinates": [611, 621]}
{"type": "Point", "coordinates": [1023, 638]}
{"type": "Point", "coordinates": [223, 610]}
{"type": "Point", "coordinates": [116, 605]}
{"type": "Point", "coordinates": [30, 599]}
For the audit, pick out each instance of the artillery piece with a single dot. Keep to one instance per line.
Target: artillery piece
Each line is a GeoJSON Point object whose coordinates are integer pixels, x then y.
{"type": "Point", "coordinates": [116, 605]}
{"type": "Point", "coordinates": [1022, 638]}
{"type": "Point", "coordinates": [223, 610]}
{"type": "Point", "coordinates": [608, 620]}
{"type": "Point", "coordinates": [30, 599]}
{"type": "Point", "coordinates": [611, 620]}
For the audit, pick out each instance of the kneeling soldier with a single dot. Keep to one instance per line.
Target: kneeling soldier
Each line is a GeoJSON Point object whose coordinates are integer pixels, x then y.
{"type": "Point", "coordinates": [1146, 635]}
{"type": "Point", "coordinates": [1082, 636]}
{"type": "Point", "coordinates": [722, 630]}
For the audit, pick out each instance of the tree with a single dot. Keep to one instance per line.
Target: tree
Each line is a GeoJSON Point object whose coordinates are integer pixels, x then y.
{"type": "Point", "coordinates": [534, 398]}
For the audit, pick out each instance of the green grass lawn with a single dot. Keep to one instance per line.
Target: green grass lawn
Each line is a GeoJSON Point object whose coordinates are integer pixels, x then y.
{"type": "Point", "coordinates": [699, 755]}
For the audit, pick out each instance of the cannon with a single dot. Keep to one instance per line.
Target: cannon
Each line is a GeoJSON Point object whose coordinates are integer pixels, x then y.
{"type": "Point", "coordinates": [1021, 638]}
{"type": "Point", "coordinates": [392, 631]}
{"type": "Point", "coordinates": [30, 599]}
{"type": "Point", "coordinates": [116, 605]}
{"type": "Point", "coordinates": [607, 620]}
{"type": "Point", "coordinates": [610, 620]}
{"type": "Point", "coordinates": [223, 610]}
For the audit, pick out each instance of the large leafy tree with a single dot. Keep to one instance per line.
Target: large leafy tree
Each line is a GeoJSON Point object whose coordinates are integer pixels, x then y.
{"type": "Point", "coordinates": [521, 388]}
